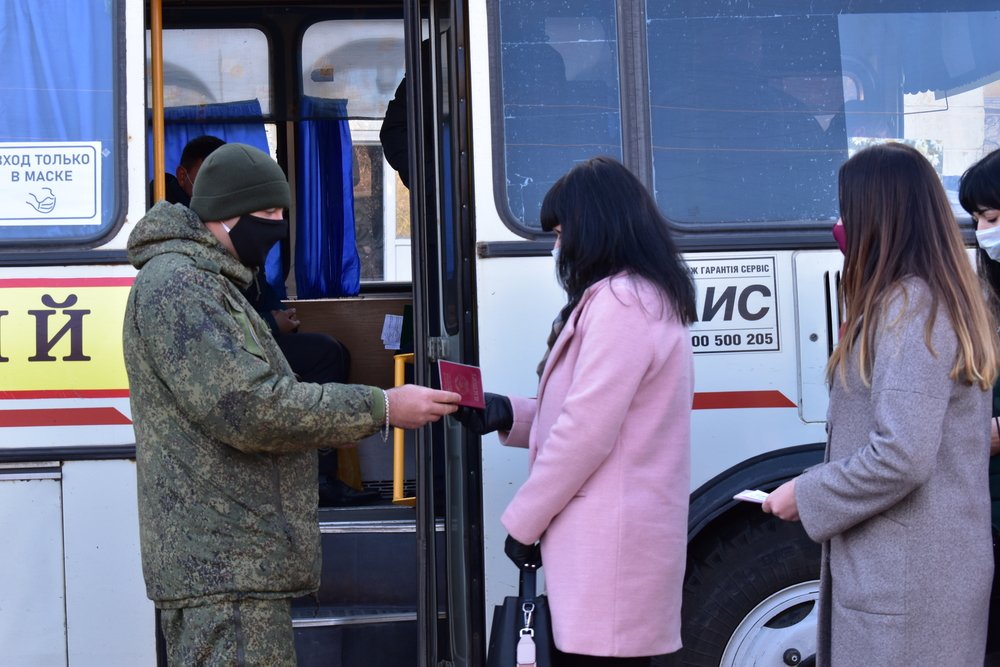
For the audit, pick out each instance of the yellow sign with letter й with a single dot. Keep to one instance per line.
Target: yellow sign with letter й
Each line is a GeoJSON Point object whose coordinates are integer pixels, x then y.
{"type": "Point", "coordinates": [62, 337]}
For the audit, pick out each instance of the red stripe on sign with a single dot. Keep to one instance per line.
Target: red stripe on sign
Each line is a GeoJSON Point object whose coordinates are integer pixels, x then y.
{"type": "Point", "coordinates": [64, 393]}
{"type": "Point", "coordinates": [727, 400]}
{"type": "Point", "coordinates": [62, 417]}
{"type": "Point", "coordinates": [66, 282]}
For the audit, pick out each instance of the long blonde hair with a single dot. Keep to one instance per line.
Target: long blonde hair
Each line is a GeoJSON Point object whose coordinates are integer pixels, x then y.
{"type": "Point", "coordinates": [898, 225]}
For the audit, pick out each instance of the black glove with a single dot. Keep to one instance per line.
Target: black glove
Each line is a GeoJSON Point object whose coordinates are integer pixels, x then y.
{"type": "Point", "coordinates": [497, 416]}
{"type": "Point", "coordinates": [525, 556]}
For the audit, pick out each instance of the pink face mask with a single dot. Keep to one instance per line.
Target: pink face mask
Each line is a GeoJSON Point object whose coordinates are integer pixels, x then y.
{"type": "Point", "coordinates": [840, 236]}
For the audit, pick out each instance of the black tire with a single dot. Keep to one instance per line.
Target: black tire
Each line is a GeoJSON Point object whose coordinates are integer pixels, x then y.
{"type": "Point", "coordinates": [734, 567]}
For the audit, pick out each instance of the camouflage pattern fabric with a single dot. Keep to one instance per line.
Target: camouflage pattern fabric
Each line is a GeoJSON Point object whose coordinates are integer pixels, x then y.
{"type": "Point", "coordinates": [225, 435]}
{"type": "Point", "coordinates": [244, 633]}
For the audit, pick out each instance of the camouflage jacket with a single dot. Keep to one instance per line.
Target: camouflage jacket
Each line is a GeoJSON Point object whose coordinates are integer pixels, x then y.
{"type": "Point", "coordinates": [225, 435]}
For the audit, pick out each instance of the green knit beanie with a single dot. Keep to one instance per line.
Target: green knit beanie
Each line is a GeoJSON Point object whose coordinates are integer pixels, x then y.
{"type": "Point", "coordinates": [237, 179]}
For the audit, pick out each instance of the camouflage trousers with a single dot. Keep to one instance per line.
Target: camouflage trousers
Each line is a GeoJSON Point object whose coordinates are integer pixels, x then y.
{"type": "Point", "coordinates": [246, 633]}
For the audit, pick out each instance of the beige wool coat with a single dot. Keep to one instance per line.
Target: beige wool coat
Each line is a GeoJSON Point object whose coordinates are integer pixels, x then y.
{"type": "Point", "coordinates": [902, 503]}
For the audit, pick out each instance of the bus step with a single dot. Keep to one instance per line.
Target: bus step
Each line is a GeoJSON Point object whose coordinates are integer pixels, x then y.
{"type": "Point", "coordinates": [325, 617]}
{"type": "Point", "coordinates": [369, 559]}
{"type": "Point", "coordinates": [356, 636]}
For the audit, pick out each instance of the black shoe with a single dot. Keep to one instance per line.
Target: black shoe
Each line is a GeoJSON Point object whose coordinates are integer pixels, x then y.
{"type": "Point", "coordinates": [335, 493]}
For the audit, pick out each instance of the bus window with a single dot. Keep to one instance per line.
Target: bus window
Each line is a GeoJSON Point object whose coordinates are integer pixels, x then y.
{"type": "Point", "coordinates": [214, 82]}
{"type": "Point", "coordinates": [62, 145]}
{"type": "Point", "coordinates": [217, 82]}
{"type": "Point", "coordinates": [362, 63]}
{"type": "Point", "coordinates": [926, 82]}
{"type": "Point", "coordinates": [752, 113]}
{"type": "Point", "coordinates": [746, 115]}
{"type": "Point", "coordinates": [217, 65]}
{"type": "Point", "coordinates": [559, 97]}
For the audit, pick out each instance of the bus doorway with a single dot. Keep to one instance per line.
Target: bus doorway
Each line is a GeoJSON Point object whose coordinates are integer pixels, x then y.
{"type": "Point", "coordinates": [313, 84]}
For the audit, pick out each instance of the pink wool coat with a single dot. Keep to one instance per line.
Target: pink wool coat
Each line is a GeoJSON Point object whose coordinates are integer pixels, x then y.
{"type": "Point", "coordinates": [609, 460]}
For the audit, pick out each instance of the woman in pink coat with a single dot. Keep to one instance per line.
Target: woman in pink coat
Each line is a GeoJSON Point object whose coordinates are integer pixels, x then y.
{"type": "Point", "coordinates": [608, 435]}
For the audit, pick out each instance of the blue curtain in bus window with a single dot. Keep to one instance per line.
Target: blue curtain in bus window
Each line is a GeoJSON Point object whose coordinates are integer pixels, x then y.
{"type": "Point", "coordinates": [560, 96]}
{"type": "Point", "coordinates": [181, 124]}
{"type": "Point", "coordinates": [326, 256]}
{"type": "Point", "coordinates": [747, 115]}
{"type": "Point", "coordinates": [57, 83]}
{"type": "Point", "coordinates": [239, 122]}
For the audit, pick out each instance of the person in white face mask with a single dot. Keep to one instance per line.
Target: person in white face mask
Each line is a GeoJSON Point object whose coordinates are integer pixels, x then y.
{"type": "Point", "coordinates": [979, 194]}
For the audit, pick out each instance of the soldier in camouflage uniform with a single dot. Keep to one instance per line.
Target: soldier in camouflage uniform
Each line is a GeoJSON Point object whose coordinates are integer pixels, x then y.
{"type": "Point", "coordinates": [226, 437]}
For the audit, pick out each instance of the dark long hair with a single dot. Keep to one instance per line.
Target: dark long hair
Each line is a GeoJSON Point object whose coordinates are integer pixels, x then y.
{"type": "Point", "coordinates": [980, 190]}
{"type": "Point", "coordinates": [899, 225]}
{"type": "Point", "coordinates": [611, 224]}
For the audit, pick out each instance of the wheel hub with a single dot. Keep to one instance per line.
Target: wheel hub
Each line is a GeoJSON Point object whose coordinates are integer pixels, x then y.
{"type": "Point", "coordinates": [779, 631]}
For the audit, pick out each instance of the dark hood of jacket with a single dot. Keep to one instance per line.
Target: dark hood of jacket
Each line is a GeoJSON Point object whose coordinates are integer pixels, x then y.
{"type": "Point", "coordinates": [173, 228]}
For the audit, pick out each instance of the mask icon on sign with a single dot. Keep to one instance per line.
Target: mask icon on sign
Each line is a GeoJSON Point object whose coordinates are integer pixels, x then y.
{"type": "Point", "coordinates": [44, 205]}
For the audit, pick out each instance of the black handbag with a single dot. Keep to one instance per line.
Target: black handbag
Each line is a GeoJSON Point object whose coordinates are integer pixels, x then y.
{"type": "Point", "coordinates": [521, 634]}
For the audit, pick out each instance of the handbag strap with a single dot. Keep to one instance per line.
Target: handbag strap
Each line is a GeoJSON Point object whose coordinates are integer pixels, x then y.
{"type": "Point", "coordinates": [527, 584]}
{"type": "Point", "coordinates": [526, 653]}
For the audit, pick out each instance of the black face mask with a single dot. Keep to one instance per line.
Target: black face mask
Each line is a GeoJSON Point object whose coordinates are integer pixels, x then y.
{"type": "Point", "coordinates": [253, 237]}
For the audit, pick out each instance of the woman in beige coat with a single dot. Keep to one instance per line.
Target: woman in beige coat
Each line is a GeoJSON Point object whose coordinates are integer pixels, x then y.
{"type": "Point", "coordinates": [901, 504]}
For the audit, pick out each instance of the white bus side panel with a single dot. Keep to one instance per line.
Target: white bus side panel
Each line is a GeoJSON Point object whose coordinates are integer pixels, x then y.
{"type": "Point", "coordinates": [109, 619]}
{"type": "Point", "coordinates": [747, 401]}
{"type": "Point", "coordinates": [32, 609]}
{"type": "Point", "coordinates": [818, 323]}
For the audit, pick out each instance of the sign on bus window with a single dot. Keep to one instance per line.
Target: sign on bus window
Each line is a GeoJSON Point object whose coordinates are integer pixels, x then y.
{"type": "Point", "coordinates": [48, 183]}
{"type": "Point", "coordinates": [60, 145]}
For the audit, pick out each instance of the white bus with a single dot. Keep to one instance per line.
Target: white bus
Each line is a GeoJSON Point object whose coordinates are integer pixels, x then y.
{"type": "Point", "coordinates": [735, 115]}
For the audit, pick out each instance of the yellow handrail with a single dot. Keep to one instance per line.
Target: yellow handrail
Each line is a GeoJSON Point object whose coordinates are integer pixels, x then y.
{"type": "Point", "coordinates": [398, 436]}
{"type": "Point", "coordinates": [156, 53]}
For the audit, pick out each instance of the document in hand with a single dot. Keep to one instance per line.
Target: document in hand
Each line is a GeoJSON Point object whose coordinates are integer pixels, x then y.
{"type": "Point", "coordinates": [749, 496]}
{"type": "Point", "coordinates": [463, 379]}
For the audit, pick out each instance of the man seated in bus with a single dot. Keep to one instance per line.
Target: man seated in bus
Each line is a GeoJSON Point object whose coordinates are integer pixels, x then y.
{"type": "Point", "coordinates": [225, 435]}
{"type": "Point", "coordinates": [179, 184]}
{"type": "Point", "coordinates": [314, 357]}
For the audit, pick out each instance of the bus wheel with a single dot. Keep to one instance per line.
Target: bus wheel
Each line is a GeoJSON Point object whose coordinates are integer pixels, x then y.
{"type": "Point", "coordinates": [750, 596]}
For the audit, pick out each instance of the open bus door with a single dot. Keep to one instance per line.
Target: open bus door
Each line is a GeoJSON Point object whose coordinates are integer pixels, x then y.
{"type": "Point", "coordinates": [375, 575]}
{"type": "Point", "coordinates": [448, 471]}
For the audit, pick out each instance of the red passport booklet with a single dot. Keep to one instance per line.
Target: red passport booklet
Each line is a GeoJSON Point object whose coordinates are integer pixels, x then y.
{"type": "Point", "coordinates": [463, 379]}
